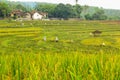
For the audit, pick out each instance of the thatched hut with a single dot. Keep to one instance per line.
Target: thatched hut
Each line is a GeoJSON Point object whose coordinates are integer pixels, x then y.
{"type": "Point", "coordinates": [96, 33]}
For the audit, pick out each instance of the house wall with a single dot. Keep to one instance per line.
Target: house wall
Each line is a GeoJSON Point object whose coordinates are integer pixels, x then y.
{"type": "Point", "coordinates": [27, 15]}
{"type": "Point", "coordinates": [37, 16]}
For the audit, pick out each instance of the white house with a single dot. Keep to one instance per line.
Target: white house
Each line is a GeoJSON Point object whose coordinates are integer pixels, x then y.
{"type": "Point", "coordinates": [37, 16]}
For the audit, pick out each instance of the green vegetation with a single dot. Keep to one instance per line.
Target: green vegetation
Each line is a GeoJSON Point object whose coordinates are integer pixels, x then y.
{"type": "Point", "coordinates": [24, 55]}
{"type": "Point", "coordinates": [4, 10]}
{"type": "Point", "coordinates": [65, 66]}
{"type": "Point", "coordinates": [98, 15]}
{"type": "Point", "coordinates": [60, 10]}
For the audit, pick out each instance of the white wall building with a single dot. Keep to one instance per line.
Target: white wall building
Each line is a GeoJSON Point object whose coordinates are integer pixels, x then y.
{"type": "Point", "coordinates": [37, 16]}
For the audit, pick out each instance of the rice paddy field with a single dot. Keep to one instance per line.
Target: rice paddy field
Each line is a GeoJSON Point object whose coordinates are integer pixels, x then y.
{"type": "Point", "coordinates": [28, 50]}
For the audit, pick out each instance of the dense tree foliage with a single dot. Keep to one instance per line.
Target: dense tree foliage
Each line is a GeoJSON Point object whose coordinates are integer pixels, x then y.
{"type": "Point", "coordinates": [88, 17]}
{"type": "Point", "coordinates": [49, 8]}
{"type": "Point", "coordinates": [4, 9]}
{"type": "Point", "coordinates": [60, 10]}
{"type": "Point", "coordinates": [98, 15]}
{"type": "Point", "coordinates": [21, 7]}
{"type": "Point", "coordinates": [78, 10]}
{"type": "Point", "coordinates": [63, 11]}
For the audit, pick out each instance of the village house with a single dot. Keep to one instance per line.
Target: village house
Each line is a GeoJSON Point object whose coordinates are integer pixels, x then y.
{"type": "Point", "coordinates": [34, 15]}
{"type": "Point", "coordinates": [38, 15]}
{"type": "Point", "coordinates": [27, 15]}
{"type": "Point", "coordinates": [96, 33]}
{"type": "Point", "coordinates": [16, 14]}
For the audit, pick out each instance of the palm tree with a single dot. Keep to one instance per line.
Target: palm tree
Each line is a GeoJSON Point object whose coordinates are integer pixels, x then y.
{"type": "Point", "coordinates": [85, 8]}
{"type": "Point", "coordinates": [76, 1]}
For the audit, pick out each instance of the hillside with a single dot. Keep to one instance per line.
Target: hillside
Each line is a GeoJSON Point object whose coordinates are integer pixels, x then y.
{"type": "Point", "coordinates": [111, 13]}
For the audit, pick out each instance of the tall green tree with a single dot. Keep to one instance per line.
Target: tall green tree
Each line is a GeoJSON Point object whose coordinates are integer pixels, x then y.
{"type": "Point", "coordinates": [88, 17]}
{"type": "Point", "coordinates": [28, 8]}
{"type": "Point", "coordinates": [78, 10]}
{"type": "Point", "coordinates": [85, 8]}
{"type": "Point", "coordinates": [99, 15]}
{"type": "Point", "coordinates": [76, 2]}
{"type": "Point", "coordinates": [71, 10]}
{"type": "Point", "coordinates": [62, 11]}
{"type": "Point", "coordinates": [49, 8]}
{"type": "Point", "coordinates": [4, 10]}
{"type": "Point", "coordinates": [21, 7]}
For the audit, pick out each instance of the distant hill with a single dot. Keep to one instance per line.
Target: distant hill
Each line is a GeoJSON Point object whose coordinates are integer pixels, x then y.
{"type": "Point", "coordinates": [111, 13]}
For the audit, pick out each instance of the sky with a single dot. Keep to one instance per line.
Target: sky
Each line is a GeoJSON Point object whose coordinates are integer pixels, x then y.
{"type": "Point", "coordinates": [108, 4]}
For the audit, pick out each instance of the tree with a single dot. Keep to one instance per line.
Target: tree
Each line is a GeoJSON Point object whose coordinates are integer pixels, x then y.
{"type": "Point", "coordinates": [78, 10]}
{"type": "Point", "coordinates": [49, 8]}
{"type": "Point", "coordinates": [28, 8]}
{"type": "Point", "coordinates": [71, 10]}
{"type": "Point", "coordinates": [4, 10]}
{"type": "Point", "coordinates": [85, 7]}
{"type": "Point", "coordinates": [21, 7]}
{"type": "Point", "coordinates": [88, 17]}
{"type": "Point", "coordinates": [99, 15]}
{"type": "Point", "coordinates": [62, 11]}
{"type": "Point", "coordinates": [76, 1]}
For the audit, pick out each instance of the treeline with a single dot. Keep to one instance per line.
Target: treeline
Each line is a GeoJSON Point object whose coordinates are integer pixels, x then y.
{"type": "Point", "coordinates": [62, 11]}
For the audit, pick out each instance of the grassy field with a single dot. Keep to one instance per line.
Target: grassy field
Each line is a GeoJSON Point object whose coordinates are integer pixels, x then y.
{"type": "Point", "coordinates": [24, 55]}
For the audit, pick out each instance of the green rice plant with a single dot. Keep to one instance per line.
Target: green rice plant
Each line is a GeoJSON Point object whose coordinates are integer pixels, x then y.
{"type": "Point", "coordinates": [74, 66]}
{"type": "Point", "coordinates": [24, 55]}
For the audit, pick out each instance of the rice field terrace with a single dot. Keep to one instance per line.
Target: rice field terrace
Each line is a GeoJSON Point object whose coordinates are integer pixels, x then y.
{"type": "Point", "coordinates": [28, 50]}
